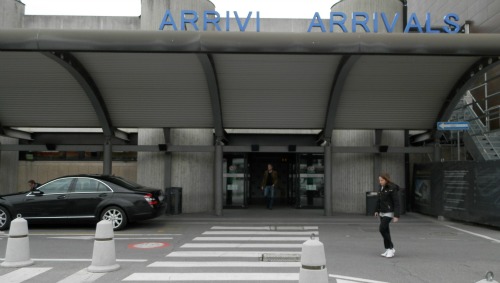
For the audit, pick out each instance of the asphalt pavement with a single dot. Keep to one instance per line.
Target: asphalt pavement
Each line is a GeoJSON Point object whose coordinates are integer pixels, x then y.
{"type": "Point", "coordinates": [259, 245]}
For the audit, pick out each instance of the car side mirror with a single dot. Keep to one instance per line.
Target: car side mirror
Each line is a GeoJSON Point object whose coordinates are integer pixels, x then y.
{"type": "Point", "coordinates": [37, 193]}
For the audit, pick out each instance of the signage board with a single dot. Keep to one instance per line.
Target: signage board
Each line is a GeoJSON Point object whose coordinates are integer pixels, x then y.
{"type": "Point", "coordinates": [452, 126]}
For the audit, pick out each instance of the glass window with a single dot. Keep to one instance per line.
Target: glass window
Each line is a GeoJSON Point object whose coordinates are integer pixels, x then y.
{"type": "Point", "coordinates": [60, 186]}
{"type": "Point", "coordinates": [87, 185]}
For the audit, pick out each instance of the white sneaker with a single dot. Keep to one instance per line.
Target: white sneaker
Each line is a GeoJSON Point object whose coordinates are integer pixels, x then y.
{"type": "Point", "coordinates": [390, 253]}
{"type": "Point", "coordinates": [385, 253]}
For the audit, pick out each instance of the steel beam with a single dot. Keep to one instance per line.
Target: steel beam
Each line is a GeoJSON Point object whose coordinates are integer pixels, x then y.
{"type": "Point", "coordinates": [250, 42]}
{"type": "Point", "coordinates": [208, 65]}
{"type": "Point", "coordinates": [343, 70]}
{"type": "Point", "coordinates": [83, 77]}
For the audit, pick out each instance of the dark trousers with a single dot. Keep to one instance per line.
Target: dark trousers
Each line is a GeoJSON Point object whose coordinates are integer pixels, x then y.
{"type": "Point", "coordinates": [386, 233]}
{"type": "Point", "coordinates": [269, 195]}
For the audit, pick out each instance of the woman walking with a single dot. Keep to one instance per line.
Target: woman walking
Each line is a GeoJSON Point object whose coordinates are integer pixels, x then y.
{"type": "Point", "coordinates": [388, 210]}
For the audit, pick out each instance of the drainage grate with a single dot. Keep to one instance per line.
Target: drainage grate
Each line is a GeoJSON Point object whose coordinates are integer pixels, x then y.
{"type": "Point", "coordinates": [280, 257]}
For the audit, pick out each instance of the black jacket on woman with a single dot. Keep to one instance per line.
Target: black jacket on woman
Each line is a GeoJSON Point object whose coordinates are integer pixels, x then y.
{"type": "Point", "coordinates": [388, 199]}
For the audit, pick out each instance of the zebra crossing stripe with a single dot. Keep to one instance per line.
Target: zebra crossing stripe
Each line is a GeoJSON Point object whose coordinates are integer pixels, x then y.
{"type": "Point", "coordinates": [266, 228]}
{"type": "Point", "coordinates": [347, 279]}
{"type": "Point", "coordinates": [213, 277]}
{"type": "Point", "coordinates": [82, 276]}
{"type": "Point", "coordinates": [252, 239]}
{"type": "Point", "coordinates": [295, 233]}
{"type": "Point", "coordinates": [23, 274]}
{"type": "Point", "coordinates": [223, 264]}
{"type": "Point", "coordinates": [216, 245]}
{"type": "Point", "coordinates": [252, 254]}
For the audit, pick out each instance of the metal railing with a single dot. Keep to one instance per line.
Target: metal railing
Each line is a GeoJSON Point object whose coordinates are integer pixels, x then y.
{"type": "Point", "coordinates": [483, 116]}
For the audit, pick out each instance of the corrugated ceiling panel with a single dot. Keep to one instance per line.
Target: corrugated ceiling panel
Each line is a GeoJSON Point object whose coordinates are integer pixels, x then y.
{"type": "Point", "coordinates": [35, 91]}
{"type": "Point", "coordinates": [275, 91]}
{"type": "Point", "coordinates": [152, 90]}
{"type": "Point", "coordinates": [398, 92]}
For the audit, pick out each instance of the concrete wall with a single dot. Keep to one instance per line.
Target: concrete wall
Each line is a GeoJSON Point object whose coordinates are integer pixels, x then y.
{"type": "Point", "coordinates": [272, 25]}
{"type": "Point", "coordinates": [11, 13]}
{"type": "Point", "coordinates": [8, 167]}
{"type": "Point", "coordinates": [484, 14]}
{"type": "Point", "coordinates": [390, 7]}
{"type": "Point", "coordinates": [152, 12]}
{"type": "Point", "coordinates": [194, 171]}
{"type": "Point", "coordinates": [151, 165]}
{"type": "Point", "coordinates": [81, 22]}
{"type": "Point", "coordinates": [352, 173]}
{"type": "Point", "coordinates": [43, 171]}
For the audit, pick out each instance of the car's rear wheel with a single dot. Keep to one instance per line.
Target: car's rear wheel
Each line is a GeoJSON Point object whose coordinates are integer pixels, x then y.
{"type": "Point", "coordinates": [116, 215]}
{"type": "Point", "coordinates": [4, 219]}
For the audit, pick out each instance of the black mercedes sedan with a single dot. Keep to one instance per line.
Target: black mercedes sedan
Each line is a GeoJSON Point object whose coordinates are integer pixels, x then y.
{"type": "Point", "coordinates": [84, 197]}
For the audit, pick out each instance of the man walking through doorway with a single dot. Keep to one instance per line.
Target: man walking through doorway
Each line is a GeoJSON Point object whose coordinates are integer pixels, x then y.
{"type": "Point", "coordinates": [269, 183]}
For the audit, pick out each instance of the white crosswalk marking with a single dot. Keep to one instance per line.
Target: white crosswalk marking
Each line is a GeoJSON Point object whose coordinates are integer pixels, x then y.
{"type": "Point", "coordinates": [267, 228]}
{"type": "Point", "coordinates": [215, 254]}
{"type": "Point", "coordinates": [235, 251]}
{"type": "Point", "coordinates": [347, 279]}
{"type": "Point", "coordinates": [23, 274]}
{"type": "Point", "coordinates": [277, 246]}
{"type": "Point", "coordinates": [213, 277]}
{"type": "Point", "coordinates": [82, 276]}
{"type": "Point", "coordinates": [270, 260]}
{"type": "Point", "coordinates": [253, 239]}
{"type": "Point", "coordinates": [259, 264]}
{"type": "Point", "coordinates": [272, 233]}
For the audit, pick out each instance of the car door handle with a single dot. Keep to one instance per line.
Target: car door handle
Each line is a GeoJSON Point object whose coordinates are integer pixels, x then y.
{"type": "Point", "coordinates": [103, 195]}
{"type": "Point", "coordinates": [61, 197]}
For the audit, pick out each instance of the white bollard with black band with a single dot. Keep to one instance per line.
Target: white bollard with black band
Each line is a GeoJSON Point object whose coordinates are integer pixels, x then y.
{"type": "Point", "coordinates": [17, 253]}
{"type": "Point", "coordinates": [488, 278]}
{"type": "Point", "coordinates": [313, 262]}
{"type": "Point", "coordinates": [104, 255]}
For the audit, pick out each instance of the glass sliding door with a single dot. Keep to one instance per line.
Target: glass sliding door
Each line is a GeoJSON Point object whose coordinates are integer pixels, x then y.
{"type": "Point", "coordinates": [234, 181]}
{"type": "Point", "coordinates": [311, 181]}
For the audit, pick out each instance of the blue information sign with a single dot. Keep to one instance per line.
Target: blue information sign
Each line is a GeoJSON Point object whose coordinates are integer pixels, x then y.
{"type": "Point", "coordinates": [452, 126]}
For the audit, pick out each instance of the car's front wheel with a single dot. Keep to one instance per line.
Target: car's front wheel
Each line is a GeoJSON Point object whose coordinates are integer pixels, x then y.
{"type": "Point", "coordinates": [116, 215]}
{"type": "Point", "coordinates": [4, 219]}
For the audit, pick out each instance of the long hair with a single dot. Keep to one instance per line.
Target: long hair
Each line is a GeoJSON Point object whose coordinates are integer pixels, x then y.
{"type": "Point", "coordinates": [386, 177]}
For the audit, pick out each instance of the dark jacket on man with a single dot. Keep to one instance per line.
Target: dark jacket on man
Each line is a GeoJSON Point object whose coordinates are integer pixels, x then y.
{"type": "Point", "coordinates": [388, 199]}
{"type": "Point", "coordinates": [274, 175]}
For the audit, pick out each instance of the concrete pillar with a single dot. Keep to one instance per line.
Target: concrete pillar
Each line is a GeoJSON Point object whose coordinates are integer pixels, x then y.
{"type": "Point", "coordinates": [437, 150]}
{"type": "Point", "coordinates": [153, 11]}
{"type": "Point", "coordinates": [11, 14]}
{"type": "Point", "coordinates": [218, 179]}
{"type": "Point", "coordinates": [377, 159]}
{"type": "Point", "coordinates": [108, 158]}
{"type": "Point", "coordinates": [328, 180]}
{"type": "Point", "coordinates": [151, 165]}
{"type": "Point", "coordinates": [168, 160]}
{"type": "Point", "coordinates": [9, 168]}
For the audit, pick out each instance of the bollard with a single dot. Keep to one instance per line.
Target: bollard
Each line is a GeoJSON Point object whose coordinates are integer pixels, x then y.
{"type": "Point", "coordinates": [488, 278]}
{"type": "Point", "coordinates": [17, 253]}
{"type": "Point", "coordinates": [104, 256]}
{"type": "Point", "coordinates": [313, 262]}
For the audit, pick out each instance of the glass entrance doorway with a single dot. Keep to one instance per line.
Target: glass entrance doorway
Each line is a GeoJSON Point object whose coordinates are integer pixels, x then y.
{"type": "Point", "coordinates": [311, 179]}
{"type": "Point", "coordinates": [301, 179]}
